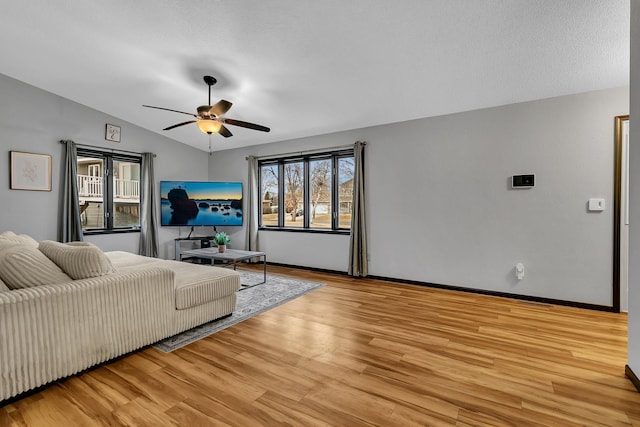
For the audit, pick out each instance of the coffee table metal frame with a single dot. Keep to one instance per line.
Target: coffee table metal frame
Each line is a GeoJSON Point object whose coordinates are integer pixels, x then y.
{"type": "Point", "coordinates": [230, 257]}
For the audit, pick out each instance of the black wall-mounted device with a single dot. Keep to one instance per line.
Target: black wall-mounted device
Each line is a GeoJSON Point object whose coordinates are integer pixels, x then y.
{"type": "Point", "coordinates": [523, 181]}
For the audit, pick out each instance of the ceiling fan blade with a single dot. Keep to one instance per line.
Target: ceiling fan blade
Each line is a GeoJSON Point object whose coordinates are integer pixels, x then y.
{"type": "Point", "coordinates": [169, 109]}
{"type": "Point", "coordinates": [240, 123]}
{"type": "Point", "coordinates": [224, 131]}
{"type": "Point", "coordinates": [220, 107]}
{"type": "Point", "coordinates": [180, 124]}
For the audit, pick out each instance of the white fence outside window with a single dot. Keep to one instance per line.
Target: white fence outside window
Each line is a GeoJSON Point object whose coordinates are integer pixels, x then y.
{"type": "Point", "coordinates": [93, 186]}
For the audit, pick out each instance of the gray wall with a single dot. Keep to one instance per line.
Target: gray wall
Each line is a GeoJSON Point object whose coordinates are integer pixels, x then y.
{"type": "Point", "coordinates": [634, 196]}
{"type": "Point", "coordinates": [33, 120]}
{"type": "Point", "coordinates": [440, 207]}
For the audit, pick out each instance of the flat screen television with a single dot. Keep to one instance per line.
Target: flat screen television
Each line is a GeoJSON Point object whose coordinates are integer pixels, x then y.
{"type": "Point", "coordinates": [200, 203]}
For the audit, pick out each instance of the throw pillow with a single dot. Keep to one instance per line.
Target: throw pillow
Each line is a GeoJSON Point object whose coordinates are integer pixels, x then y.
{"type": "Point", "coordinates": [80, 260]}
{"type": "Point", "coordinates": [3, 287]}
{"type": "Point", "coordinates": [10, 236]}
{"type": "Point", "coordinates": [24, 266]}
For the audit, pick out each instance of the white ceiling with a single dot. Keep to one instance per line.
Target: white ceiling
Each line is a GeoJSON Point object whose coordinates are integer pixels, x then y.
{"type": "Point", "coordinates": [308, 67]}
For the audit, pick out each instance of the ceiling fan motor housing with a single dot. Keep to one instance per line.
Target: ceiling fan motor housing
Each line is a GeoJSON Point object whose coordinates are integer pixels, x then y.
{"type": "Point", "coordinates": [204, 111]}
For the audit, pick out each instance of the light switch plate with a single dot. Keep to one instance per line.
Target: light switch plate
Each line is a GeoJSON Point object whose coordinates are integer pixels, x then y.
{"type": "Point", "coordinates": [596, 205]}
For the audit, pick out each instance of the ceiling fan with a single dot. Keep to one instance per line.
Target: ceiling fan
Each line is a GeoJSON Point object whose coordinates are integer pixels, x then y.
{"type": "Point", "coordinates": [209, 118]}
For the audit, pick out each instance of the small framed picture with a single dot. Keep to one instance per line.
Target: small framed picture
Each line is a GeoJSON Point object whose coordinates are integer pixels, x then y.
{"type": "Point", "coordinates": [30, 171]}
{"type": "Point", "coordinates": [112, 133]}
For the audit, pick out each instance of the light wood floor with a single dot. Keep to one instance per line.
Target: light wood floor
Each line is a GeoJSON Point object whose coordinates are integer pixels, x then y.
{"type": "Point", "coordinates": [365, 353]}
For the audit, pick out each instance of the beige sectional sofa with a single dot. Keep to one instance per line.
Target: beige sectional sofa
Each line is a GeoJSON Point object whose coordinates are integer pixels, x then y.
{"type": "Point", "coordinates": [67, 307]}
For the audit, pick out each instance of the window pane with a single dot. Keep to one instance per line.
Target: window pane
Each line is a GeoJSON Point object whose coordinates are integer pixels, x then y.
{"type": "Point", "coordinates": [269, 188]}
{"type": "Point", "coordinates": [126, 194]}
{"type": "Point", "coordinates": [294, 194]}
{"type": "Point", "coordinates": [91, 192]}
{"type": "Point", "coordinates": [320, 198]}
{"type": "Point", "coordinates": [345, 191]}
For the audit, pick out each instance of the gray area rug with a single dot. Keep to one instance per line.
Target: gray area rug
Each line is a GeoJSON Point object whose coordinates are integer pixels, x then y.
{"type": "Point", "coordinates": [250, 302]}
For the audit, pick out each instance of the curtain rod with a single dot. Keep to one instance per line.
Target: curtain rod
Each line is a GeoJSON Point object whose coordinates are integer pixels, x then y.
{"type": "Point", "coordinates": [300, 153]}
{"type": "Point", "coordinates": [113, 150]}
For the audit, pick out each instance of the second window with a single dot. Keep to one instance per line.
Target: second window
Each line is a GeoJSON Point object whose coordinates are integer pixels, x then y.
{"type": "Point", "coordinates": [312, 192]}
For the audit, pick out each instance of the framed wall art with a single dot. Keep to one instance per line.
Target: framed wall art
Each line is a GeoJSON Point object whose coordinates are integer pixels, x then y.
{"type": "Point", "coordinates": [112, 133]}
{"type": "Point", "coordinates": [30, 171]}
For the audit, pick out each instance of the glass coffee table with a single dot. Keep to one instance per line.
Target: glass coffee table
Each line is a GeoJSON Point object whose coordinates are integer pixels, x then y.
{"type": "Point", "coordinates": [230, 257]}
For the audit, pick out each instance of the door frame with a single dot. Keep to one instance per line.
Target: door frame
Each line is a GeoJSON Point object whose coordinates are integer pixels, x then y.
{"type": "Point", "coordinates": [617, 206]}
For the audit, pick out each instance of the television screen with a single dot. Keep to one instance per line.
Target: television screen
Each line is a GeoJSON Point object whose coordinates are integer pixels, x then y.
{"type": "Point", "coordinates": [190, 203]}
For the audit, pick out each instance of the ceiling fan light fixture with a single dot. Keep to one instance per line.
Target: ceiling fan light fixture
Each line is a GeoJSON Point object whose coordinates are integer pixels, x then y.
{"type": "Point", "coordinates": [209, 118]}
{"type": "Point", "coordinates": [209, 126]}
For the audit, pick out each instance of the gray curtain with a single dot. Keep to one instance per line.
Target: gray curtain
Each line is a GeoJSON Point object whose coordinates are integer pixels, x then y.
{"type": "Point", "coordinates": [253, 205]}
{"type": "Point", "coordinates": [70, 224]}
{"type": "Point", "coordinates": [358, 265]}
{"type": "Point", "coordinates": [148, 222]}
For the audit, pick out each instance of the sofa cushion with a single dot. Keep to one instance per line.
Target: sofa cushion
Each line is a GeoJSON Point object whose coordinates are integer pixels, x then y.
{"type": "Point", "coordinates": [200, 284]}
{"type": "Point", "coordinates": [80, 260]}
{"type": "Point", "coordinates": [127, 261]}
{"type": "Point", "coordinates": [195, 284]}
{"type": "Point", "coordinates": [24, 266]}
{"type": "Point", "coordinates": [10, 236]}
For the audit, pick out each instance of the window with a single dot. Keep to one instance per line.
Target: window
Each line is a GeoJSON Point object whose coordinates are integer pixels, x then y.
{"type": "Point", "coordinates": [312, 192]}
{"type": "Point", "coordinates": [108, 190]}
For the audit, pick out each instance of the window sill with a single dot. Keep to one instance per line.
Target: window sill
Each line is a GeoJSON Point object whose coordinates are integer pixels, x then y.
{"type": "Point", "coordinates": [114, 231]}
{"type": "Point", "coordinates": [305, 230]}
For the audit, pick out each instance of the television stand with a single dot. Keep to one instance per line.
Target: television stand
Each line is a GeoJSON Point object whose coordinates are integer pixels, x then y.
{"type": "Point", "coordinates": [197, 242]}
